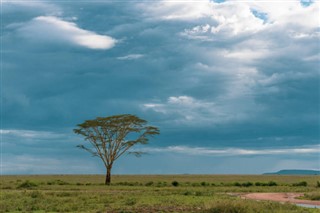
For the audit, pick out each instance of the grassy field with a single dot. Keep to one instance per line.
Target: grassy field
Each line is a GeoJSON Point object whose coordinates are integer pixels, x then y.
{"type": "Point", "coordinates": [151, 193]}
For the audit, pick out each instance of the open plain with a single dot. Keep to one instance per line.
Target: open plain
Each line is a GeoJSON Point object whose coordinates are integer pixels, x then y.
{"type": "Point", "coordinates": [154, 193]}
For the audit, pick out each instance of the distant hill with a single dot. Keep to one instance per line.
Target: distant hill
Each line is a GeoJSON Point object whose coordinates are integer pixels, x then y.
{"type": "Point", "coordinates": [294, 172]}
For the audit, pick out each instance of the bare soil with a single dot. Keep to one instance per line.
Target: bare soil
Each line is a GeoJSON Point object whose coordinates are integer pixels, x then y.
{"type": "Point", "coordinates": [280, 197]}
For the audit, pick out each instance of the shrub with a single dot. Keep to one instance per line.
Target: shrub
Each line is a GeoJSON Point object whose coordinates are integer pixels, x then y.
{"type": "Point", "coordinates": [27, 184]}
{"type": "Point", "coordinates": [258, 184]}
{"type": "Point", "coordinates": [247, 184]}
{"type": "Point", "coordinates": [204, 184]}
{"type": "Point", "coordinates": [272, 183]}
{"type": "Point", "coordinates": [237, 184]}
{"type": "Point", "coordinates": [302, 183]}
{"type": "Point", "coordinates": [187, 193]}
{"type": "Point", "coordinates": [57, 182]}
{"type": "Point", "coordinates": [318, 184]}
{"type": "Point", "coordinates": [175, 183]}
{"type": "Point", "coordinates": [150, 183]}
{"type": "Point", "coordinates": [312, 196]}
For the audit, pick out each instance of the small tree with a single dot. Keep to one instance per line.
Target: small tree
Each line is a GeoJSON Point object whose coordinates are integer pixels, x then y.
{"type": "Point", "coordinates": [111, 137]}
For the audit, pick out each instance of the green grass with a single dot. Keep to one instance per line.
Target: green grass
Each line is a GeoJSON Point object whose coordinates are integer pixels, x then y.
{"type": "Point", "coordinates": [149, 193]}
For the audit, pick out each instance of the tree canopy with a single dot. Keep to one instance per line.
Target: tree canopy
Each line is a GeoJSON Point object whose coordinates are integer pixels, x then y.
{"type": "Point", "coordinates": [111, 137]}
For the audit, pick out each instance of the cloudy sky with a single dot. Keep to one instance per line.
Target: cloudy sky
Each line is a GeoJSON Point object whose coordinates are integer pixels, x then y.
{"type": "Point", "coordinates": [232, 85]}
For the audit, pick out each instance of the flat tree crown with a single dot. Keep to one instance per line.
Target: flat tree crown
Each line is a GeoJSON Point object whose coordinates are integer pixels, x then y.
{"type": "Point", "coordinates": [112, 136]}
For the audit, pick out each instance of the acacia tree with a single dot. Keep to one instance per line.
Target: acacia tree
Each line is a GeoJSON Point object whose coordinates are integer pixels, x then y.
{"type": "Point", "coordinates": [111, 137]}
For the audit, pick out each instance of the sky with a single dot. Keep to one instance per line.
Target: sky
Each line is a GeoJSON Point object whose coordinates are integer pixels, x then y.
{"type": "Point", "coordinates": [233, 86]}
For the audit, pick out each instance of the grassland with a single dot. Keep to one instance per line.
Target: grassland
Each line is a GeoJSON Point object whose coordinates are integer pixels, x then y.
{"type": "Point", "coordinates": [151, 193]}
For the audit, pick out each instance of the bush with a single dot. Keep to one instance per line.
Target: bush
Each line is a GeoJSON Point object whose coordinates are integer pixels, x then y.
{"type": "Point", "coordinates": [150, 183]}
{"type": "Point", "coordinates": [272, 183]}
{"type": "Point", "coordinates": [312, 196]}
{"type": "Point", "coordinates": [27, 184]}
{"type": "Point", "coordinates": [318, 184]}
{"type": "Point", "coordinates": [187, 193]}
{"type": "Point", "coordinates": [237, 184]}
{"type": "Point", "coordinates": [175, 183]}
{"type": "Point", "coordinates": [302, 183]}
{"type": "Point", "coordinates": [57, 182]}
{"type": "Point", "coordinates": [204, 184]}
{"type": "Point", "coordinates": [247, 184]}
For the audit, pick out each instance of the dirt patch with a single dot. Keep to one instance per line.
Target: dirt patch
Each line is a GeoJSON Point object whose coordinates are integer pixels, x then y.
{"type": "Point", "coordinates": [280, 197]}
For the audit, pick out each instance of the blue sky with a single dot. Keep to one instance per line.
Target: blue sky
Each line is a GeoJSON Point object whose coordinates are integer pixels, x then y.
{"type": "Point", "coordinates": [232, 85]}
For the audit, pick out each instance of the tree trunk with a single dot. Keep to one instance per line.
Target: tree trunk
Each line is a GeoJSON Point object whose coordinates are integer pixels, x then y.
{"type": "Point", "coordinates": [108, 176]}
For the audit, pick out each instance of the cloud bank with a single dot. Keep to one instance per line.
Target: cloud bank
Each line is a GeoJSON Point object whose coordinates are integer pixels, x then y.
{"type": "Point", "coordinates": [233, 151]}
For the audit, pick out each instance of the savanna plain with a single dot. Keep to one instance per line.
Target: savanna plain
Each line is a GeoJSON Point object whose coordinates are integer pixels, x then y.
{"type": "Point", "coordinates": [153, 193]}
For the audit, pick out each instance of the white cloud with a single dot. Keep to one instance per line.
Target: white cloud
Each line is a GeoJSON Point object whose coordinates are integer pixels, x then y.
{"type": "Point", "coordinates": [227, 19]}
{"type": "Point", "coordinates": [234, 151]}
{"type": "Point", "coordinates": [130, 57]}
{"type": "Point", "coordinates": [53, 29]}
{"type": "Point", "coordinates": [177, 10]}
{"type": "Point", "coordinates": [33, 164]}
{"type": "Point", "coordinates": [188, 110]}
{"type": "Point", "coordinates": [29, 134]}
{"type": "Point", "coordinates": [232, 18]}
{"type": "Point", "coordinates": [289, 12]}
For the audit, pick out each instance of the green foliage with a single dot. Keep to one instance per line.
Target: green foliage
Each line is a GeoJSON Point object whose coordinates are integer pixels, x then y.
{"type": "Point", "coordinates": [312, 196]}
{"type": "Point", "coordinates": [84, 193]}
{"type": "Point", "coordinates": [270, 183]}
{"type": "Point", "coordinates": [318, 184]}
{"type": "Point", "coordinates": [302, 183]}
{"type": "Point", "coordinates": [247, 184]}
{"type": "Point", "coordinates": [175, 183]}
{"type": "Point", "coordinates": [27, 185]}
{"type": "Point", "coordinates": [237, 184]}
{"type": "Point", "coordinates": [149, 183]}
{"type": "Point", "coordinates": [203, 183]}
{"type": "Point", "coordinates": [110, 137]}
